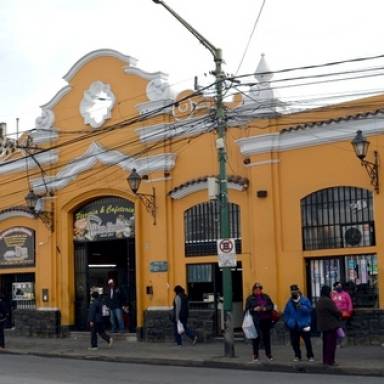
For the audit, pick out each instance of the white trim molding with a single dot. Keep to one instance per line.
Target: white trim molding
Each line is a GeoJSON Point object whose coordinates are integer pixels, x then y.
{"type": "Point", "coordinates": [20, 165]}
{"type": "Point", "coordinates": [201, 186]}
{"type": "Point", "coordinates": [16, 212]}
{"type": "Point", "coordinates": [55, 99]}
{"type": "Point", "coordinates": [96, 153]}
{"type": "Point", "coordinates": [308, 137]}
{"type": "Point", "coordinates": [93, 55]}
{"type": "Point", "coordinates": [132, 70]}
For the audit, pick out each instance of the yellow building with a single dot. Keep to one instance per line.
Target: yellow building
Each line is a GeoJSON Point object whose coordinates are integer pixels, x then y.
{"type": "Point", "coordinates": [302, 209]}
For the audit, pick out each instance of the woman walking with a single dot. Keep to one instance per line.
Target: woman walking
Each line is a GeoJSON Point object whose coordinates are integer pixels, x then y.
{"type": "Point", "coordinates": [260, 306]}
{"type": "Point", "coordinates": [328, 320]}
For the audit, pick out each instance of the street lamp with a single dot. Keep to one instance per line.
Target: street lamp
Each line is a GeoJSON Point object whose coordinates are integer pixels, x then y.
{"type": "Point", "coordinates": [360, 145]}
{"type": "Point", "coordinates": [33, 201]}
{"type": "Point", "coordinates": [149, 200]}
{"type": "Point", "coordinates": [229, 349]}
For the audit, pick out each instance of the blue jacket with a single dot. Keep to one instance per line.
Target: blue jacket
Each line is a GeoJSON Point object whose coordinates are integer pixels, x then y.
{"type": "Point", "coordinates": [298, 315]}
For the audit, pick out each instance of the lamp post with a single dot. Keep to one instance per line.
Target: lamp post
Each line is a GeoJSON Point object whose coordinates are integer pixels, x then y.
{"type": "Point", "coordinates": [149, 200]}
{"type": "Point", "coordinates": [223, 188]}
{"type": "Point", "coordinates": [32, 200]}
{"type": "Point", "coordinates": [360, 145]}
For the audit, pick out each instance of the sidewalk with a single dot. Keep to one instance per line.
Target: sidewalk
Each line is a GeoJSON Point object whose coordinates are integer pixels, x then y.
{"type": "Point", "coordinates": [352, 360]}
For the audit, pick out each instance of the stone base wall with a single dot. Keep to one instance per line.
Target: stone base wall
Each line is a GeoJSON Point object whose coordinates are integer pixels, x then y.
{"type": "Point", "coordinates": [32, 322]}
{"type": "Point", "coordinates": [366, 327]}
{"type": "Point", "coordinates": [159, 328]}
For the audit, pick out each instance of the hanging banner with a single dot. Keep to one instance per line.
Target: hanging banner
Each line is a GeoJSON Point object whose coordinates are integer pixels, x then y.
{"type": "Point", "coordinates": [107, 218]}
{"type": "Point", "coordinates": [17, 247]}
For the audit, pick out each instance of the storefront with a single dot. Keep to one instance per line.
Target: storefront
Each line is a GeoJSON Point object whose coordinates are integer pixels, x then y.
{"type": "Point", "coordinates": [301, 208]}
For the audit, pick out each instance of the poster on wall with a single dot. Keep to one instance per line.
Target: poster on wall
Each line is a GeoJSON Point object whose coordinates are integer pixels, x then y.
{"type": "Point", "coordinates": [107, 218]}
{"type": "Point", "coordinates": [17, 247]}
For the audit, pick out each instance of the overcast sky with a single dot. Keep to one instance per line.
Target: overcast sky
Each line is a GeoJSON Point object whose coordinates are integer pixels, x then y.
{"type": "Point", "coordinates": [41, 39]}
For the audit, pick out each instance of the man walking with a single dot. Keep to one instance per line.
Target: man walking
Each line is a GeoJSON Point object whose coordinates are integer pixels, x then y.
{"type": "Point", "coordinates": [96, 323]}
{"type": "Point", "coordinates": [297, 317]}
{"type": "Point", "coordinates": [3, 318]}
{"type": "Point", "coordinates": [114, 301]}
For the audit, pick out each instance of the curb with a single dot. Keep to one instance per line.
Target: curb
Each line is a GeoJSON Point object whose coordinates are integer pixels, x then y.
{"type": "Point", "coordinates": [266, 367]}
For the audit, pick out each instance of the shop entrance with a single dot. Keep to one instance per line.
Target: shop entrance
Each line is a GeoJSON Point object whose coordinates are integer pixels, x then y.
{"type": "Point", "coordinates": [104, 249]}
{"type": "Point", "coordinates": [96, 263]}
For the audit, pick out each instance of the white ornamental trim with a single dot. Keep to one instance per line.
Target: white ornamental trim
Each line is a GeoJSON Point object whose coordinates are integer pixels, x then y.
{"type": "Point", "coordinates": [96, 153]}
{"type": "Point", "coordinates": [201, 186]}
{"type": "Point", "coordinates": [145, 75]}
{"type": "Point", "coordinates": [93, 55]}
{"type": "Point", "coordinates": [20, 165]}
{"type": "Point", "coordinates": [91, 96]}
{"type": "Point", "coordinates": [15, 213]}
{"type": "Point", "coordinates": [302, 138]}
{"type": "Point", "coordinates": [55, 99]}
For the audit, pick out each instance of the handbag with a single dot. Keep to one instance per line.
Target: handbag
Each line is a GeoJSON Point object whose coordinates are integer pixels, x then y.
{"type": "Point", "coordinates": [105, 310]}
{"type": "Point", "coordinates": [275, 316]}
{"type": "Point", "coordinates": [248, 326]}
{"type": "Point", "coordinates": [340, 334]}
{"type": "Point", "coordinates": [180, 327]}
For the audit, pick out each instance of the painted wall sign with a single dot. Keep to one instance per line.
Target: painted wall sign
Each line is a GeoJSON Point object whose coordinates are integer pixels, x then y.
{"type": "Point", "coordinates": [104, 219]}
{"type": "Point", "coordinates": [17, 247]}
{"type": "Point", "coordinates": [158, 266]}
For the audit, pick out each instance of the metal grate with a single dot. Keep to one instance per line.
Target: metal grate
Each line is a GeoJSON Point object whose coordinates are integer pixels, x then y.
{"type": "Point", "coordinates": [202, 228]}
{"type": "Point", "coordinates": [338, 217]}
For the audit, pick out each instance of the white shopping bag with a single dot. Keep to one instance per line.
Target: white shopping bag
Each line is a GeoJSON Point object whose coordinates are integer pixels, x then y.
{"type": "Point", "coordinates": [180, 327]}
{"type": "Point", "coordinates": [248, 326]}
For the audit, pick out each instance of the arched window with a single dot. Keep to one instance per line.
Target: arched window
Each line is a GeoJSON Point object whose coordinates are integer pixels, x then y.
{"type": "Point", "coordinates": [202, 228]}
{"type": "Point", "coordinates": [339, 217]}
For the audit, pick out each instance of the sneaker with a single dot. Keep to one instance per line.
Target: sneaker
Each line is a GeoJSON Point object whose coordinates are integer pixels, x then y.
{"type": "Point", "coordinates": [110, 342]}
{"type": "Point", "coordinates": [93, 349]}
{"type": "Point", "coordinates": [311, 359]}
{"type": "Point", "coordinates": [270, 358]}
{"type": "Point", "coordinates": [296, 359]}
{"type": "Point", "coordinates": [194, 341]}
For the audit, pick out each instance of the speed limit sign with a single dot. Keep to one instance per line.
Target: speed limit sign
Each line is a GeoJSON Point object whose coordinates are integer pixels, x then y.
{"type": "Point", "coordinates": [226, 252]}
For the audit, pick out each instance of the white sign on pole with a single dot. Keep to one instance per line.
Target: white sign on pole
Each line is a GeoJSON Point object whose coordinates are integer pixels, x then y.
{"type": "Point", "coordinates": [226, 251]}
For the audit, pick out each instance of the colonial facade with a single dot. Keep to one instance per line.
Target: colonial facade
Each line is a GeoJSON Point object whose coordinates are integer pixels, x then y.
{"type": "Point", "coordinates": [302, 209]}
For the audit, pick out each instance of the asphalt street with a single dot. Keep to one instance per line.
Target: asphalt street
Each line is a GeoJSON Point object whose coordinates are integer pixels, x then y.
{"type": "Point", "coordinates": [18, 369]}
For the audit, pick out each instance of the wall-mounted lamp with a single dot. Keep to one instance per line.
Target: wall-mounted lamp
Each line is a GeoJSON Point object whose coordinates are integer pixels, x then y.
{"type": "Point", "coordinates": [33, 201]}
{"type": "Point", "coordinates": [360, 145]}
{"type": "Point", "coordinates": [149, 200]}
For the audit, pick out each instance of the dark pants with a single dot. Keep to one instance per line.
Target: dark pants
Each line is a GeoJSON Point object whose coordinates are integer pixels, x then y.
{"type": "Point", "coordinates": [188, 332]}
{"type": "Point", "coordinates": [264, 332]}
{"type": "Point", "coordinates": [98, 328]}
{"type": "Point", "coordinates": [329, 347]}
{"type": "Point", "coordinates": [295, 342]}
{"type": "Point", "coordinates": [2, 324]}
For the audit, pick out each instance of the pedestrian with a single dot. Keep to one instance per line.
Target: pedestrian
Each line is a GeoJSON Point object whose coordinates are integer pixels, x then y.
{"type": "Point", "coordinates": [343, 303]}
{"type": "Point", "coordinates": [260, 306]}
{"type": "Point", "coordinates": [96, 323]}
{"type": "Point", "coordinates": [180, 313]}
{"type": "Point", "coordinates": [328, 321]}
{"type": "Point", "coordinates": [114, 301]}
{"type": "Point", "coordinates": [297, 317]}
{"type": "Point", "coordinates": [3, 319]}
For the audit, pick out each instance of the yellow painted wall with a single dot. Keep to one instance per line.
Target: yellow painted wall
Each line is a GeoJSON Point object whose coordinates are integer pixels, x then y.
{"type": "Point", "coordinates": [271, 227]}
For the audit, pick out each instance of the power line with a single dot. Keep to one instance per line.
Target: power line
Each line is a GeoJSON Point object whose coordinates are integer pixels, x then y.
{"type": "Point", "coordinates": [250, 36]}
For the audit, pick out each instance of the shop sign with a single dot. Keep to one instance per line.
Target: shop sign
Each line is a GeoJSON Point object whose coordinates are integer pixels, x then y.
{"type": "Point", "coordinates": [226, 252]}
{"type": "Point", "coordinates": [104, 219]}
{"type": "Point", "coordinates": [17, 247]}
{"type": "Point", "coordinates": [158, 266]}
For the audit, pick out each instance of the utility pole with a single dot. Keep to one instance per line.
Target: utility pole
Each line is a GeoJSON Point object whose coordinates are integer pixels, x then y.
{"type": "Point", "coordinates": [229, 350]}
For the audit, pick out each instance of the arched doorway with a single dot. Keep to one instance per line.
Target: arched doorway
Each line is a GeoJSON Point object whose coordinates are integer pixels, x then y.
{"type": "Point", "coordinates": [104, 243]}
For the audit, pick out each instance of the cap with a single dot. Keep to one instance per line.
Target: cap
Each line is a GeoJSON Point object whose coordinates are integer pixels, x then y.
{"type": "Point", "coordinates": [294, 287]}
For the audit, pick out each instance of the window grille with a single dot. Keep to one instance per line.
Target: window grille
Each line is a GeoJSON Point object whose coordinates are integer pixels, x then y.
{"type": "Point", "coordinates": [202, 228]}
{"type": "Point", "coordinates": [339, 217]}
